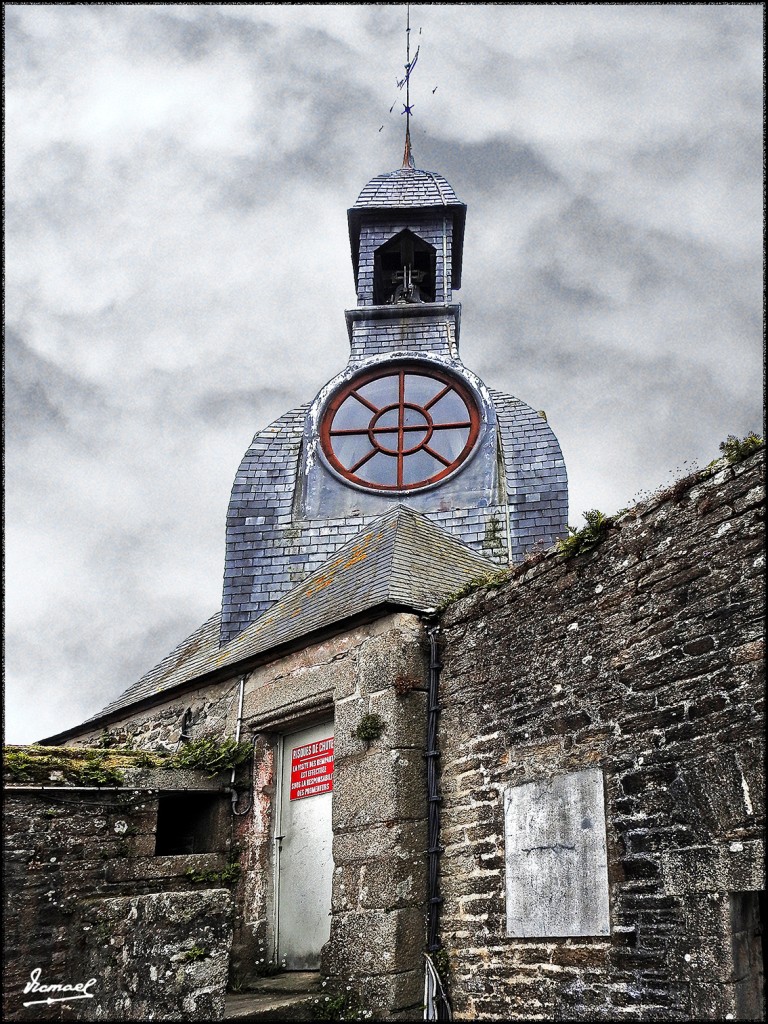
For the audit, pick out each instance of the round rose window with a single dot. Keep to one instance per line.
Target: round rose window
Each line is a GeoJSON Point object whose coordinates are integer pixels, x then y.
{"type": "Point", "coordinates": [396, 429]}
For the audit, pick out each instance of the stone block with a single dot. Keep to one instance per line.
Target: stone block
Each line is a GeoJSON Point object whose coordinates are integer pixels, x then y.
{"type": "Point", "coordinates": [735, 867]}
{"type": "Point", "coordinates": [393, 994]}
{"type": "Point", "coordinates": [381, 785]}
{"type": "Point", "coordinates": [186, 779]}
{"type": "Point", "coordinates": [404, 719]}
{"type": "Point", "coordinates": [396, 654]}
{"type": "Point", "coordinates": [383, 884]}
{"type": "Point", "coordinates": [172, 962]}
{"type": "Point", "coordinates": [374, 942]}
{"type": "Point", "coordinates": [306, 684]}
{"type": "Point", "coordinates": [712, 1001]}
{"type": "Point", "coordinates": [347, 715]}
{"type": "Point", "coordinates": [129, 869]}
{"type": "Point", "coordinates": [401, 839]}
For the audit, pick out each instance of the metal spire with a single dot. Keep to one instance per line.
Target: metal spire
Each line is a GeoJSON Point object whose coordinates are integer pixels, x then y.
{"type": "Point", "coordinates": [407, 110]}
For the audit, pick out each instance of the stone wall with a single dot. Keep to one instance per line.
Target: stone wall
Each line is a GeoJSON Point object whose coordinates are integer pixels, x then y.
{"type": "Point", "coordinates": [82, 901]}
{"type": "Point", "coordinates": [158, 729]}
{"type": "Point", "coordinates": [628, 676]}
{"type": "Point", "coordinates": [379, 817]}
{"type": "Point", "coordinates": [642, 658]}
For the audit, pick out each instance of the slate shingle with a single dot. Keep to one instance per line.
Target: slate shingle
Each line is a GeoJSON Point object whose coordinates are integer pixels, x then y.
{"type": "Point", "coordinates": [401, 559]}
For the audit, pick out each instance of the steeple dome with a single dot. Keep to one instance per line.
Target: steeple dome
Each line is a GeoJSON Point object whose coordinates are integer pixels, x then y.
{"type": "Point", "coordinates": [406, 187]}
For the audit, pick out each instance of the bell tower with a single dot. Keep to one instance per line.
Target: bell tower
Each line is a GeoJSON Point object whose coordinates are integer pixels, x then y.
{"type": "Point", "coordinates": [405, 419]}
{"type": "Point", "coordinates": [405, 422]}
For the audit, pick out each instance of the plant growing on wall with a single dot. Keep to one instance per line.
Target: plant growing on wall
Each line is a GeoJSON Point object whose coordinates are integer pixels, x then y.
{"type": "Point", "coordinates": [78, 766]}
{"type": "Point", "coordinates": [230, 873]}
{"type": "Point", "coordinates": [490, 582]}
{"type": "Point", "coordinates": [342, 1003]}
{"type": "Point", "coordinates": [579, 541]}
{"type": "Point", "coordinates": [370, 727]}
{"type": "Point", "coordinates": [195, 953]}
{"type": "Point", "coordinates": [210, 755]}
{"type": "Point", "coordinates": [736, 450]}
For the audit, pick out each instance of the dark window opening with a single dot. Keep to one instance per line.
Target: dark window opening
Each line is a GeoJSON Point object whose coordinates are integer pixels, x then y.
{"type": "Point", "coordinates": [191, 823]}
{"type": "Point", "coordinates": [747, 924]}
{"type": "Point", "coordinates": [404, 271]}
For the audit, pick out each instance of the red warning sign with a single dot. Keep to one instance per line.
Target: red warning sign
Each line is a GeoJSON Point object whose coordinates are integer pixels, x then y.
{"type": "Point", "coordinates": [312, 769]}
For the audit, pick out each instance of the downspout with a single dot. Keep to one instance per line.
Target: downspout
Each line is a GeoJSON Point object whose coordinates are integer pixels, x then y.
{"type": "Point", "coordinates": [436, 1005]}
{"type": "Point", "coordinates": [238, 727]}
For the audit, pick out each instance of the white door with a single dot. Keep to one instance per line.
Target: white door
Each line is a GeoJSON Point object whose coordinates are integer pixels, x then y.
{"type": "Point", "coordinates": [305, 859]}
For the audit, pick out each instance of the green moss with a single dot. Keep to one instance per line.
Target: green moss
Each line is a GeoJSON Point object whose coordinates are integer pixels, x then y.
{"type": "Point", "coordinates": [76, 766]}
{"type": "Point", "coordinates": [490, 582]}
{"type": "Point", "coordinates": [210, 755]}
{"type": "Point", "coordinates": [370, 727]}
{"type": "Point", "coordinates": [737, 449]}
{"type": "Point", "coordinates": [230, 873]}
{"type": "Point", "coordinates": [106, 764]}
{"type": "Point", "coordinates": [441, 963]}
{"type": "Point", "coordinates": [493, 541]}
{"type": "Point", "coordinates": [195, 953]}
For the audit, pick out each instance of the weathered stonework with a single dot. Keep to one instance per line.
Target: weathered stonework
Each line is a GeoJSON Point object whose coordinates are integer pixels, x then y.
{"type": "Point", "coordinates": [163, 956]}
{"type": "Point", "coordinates": [213, 713]}
{"type": "Point", "coordinates": [642, 658]}
{"type": "Point", "coordinates": [87, 897]}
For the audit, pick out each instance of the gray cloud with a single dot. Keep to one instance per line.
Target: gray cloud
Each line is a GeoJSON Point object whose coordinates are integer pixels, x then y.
{"type": "Point", "coordinates": [177, 266]}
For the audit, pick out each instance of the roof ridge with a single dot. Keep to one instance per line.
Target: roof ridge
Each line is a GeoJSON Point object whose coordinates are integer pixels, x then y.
{"type": "Point", "coordinates": [400, 559]}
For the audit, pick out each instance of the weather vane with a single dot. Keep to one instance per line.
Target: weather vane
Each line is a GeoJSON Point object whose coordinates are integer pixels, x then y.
{"type": "Point", "coordinates": [405, 81]}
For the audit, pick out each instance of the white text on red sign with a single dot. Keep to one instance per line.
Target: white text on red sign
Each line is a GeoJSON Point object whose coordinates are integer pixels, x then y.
{"type": "Point", "coordinates": [312, 769]}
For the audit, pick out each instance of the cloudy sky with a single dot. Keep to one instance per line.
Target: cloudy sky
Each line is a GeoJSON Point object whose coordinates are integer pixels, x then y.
{"type": "Point", "coordinates": [177, 266]}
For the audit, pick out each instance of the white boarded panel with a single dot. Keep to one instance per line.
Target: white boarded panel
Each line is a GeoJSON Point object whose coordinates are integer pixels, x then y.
{"type": "Point", "coordinates": [556, 859]}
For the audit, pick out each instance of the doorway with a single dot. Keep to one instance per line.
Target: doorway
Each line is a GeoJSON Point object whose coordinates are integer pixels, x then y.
{"type": "Point", "coordinates": [304, 847]}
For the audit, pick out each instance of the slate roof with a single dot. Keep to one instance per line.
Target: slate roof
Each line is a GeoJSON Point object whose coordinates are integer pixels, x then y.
{"type": "Point", "coordinates": [400, 559]}
{"type": "Point", "coordinates": [406, 187]}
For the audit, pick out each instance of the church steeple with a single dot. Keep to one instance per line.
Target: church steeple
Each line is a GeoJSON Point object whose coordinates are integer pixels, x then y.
{"type": "Point", "coordinates": [405, 422]}
{"type": "Point", "coordinates": [408, 199]}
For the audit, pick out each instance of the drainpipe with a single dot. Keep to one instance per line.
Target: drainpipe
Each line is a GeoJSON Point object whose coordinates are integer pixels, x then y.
{"type": "Point", "coordinates": [436, 1005]}
{"type": "Point", "coordinates": [231, 788]}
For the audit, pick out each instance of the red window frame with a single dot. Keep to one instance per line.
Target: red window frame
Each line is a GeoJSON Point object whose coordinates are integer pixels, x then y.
{"type": "Point", "coordinates": [400, 451]}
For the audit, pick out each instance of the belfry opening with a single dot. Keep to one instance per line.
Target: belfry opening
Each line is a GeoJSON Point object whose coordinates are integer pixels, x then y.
{"type": "Point", "coordinates": [404, 270]}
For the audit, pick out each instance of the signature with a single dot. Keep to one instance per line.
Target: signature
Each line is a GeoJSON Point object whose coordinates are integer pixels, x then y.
{"type": "Point", "coordinates": [79, 991]}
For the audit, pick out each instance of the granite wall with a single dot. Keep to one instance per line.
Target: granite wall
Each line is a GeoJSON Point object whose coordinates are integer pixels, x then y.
{"type": "Point", "coordinates": [86, 897]}
{"type": "Point", "coordinates": [642, 658]}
